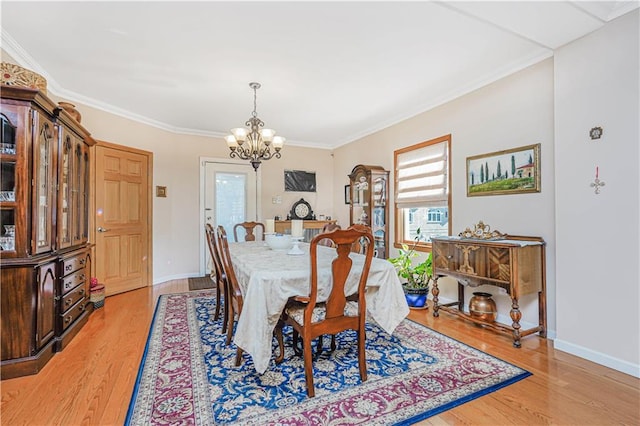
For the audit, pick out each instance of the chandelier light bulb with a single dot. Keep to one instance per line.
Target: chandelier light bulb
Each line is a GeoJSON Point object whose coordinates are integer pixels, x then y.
{"type": "Point", "coordinates": [278, 142]}
{"type": "Point", "coordinates": [240, 134]}
{"type": "Point", "coordinates": [267, 135]}
{"type": "Point", "coordinates": [232, 143]}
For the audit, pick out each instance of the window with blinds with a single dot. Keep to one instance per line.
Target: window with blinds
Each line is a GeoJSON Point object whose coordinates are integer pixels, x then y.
{"type": "Point", "coordinates": [422, 198]}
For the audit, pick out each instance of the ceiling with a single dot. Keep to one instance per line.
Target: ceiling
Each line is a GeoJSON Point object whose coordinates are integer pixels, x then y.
{"type": "Point", "coordinates": [331, 72]}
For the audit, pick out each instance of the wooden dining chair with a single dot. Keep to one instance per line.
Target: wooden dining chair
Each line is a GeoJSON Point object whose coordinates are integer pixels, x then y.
{"type": "Point", "coordinates": [234, 293]}
{"type": "Point", "coordinates": [218, 276]}
{"type": "Point", "coordinates": [310, 318]}
{"type": "Point", "coordinates": [328, 228]}
{"type": "Point", "coordinates": [249, 229]}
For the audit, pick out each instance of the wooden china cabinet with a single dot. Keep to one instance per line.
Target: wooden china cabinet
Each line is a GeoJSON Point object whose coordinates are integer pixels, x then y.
{"type": "Point", "coordinates": [45, 255]}
{"type": "Point", "coordinates": [369, 203]}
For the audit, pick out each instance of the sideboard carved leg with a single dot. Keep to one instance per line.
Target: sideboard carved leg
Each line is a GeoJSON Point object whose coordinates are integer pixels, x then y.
{"type": "Point", "coordinates": [516, 315]}
{"type": "Point", "coordinates": [435, 291]}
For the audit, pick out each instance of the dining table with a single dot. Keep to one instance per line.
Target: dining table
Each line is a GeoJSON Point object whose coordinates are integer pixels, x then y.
{"type": "Point", "coordinates": [268, 278]}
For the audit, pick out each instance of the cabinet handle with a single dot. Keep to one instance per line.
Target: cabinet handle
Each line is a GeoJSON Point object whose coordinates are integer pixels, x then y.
{"type": "Point", "coordinates": [68, 302]}
{"type": "Point", "coordinates": [67, 268]}
{"type": "Point", "coordinates": [68, 319]}
{"type": "Point", "coordinates": [81, 292]}
{"type": "Point", "coordinates": [82, 262]}
{"type": "Point", "coordinates": [449, 257]}
{"type": "Point", "coordinates": [82, 277]}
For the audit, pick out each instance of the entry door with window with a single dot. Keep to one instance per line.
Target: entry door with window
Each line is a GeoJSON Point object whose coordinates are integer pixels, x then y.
{"type": "Point", "coordinates": [230, 197]}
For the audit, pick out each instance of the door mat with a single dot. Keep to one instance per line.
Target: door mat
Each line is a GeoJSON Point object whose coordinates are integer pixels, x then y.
{"type": "Point", "coordinates": [201, 283]}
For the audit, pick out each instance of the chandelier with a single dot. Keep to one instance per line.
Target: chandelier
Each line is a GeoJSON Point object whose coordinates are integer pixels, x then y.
{"type": "Point", "coordinates": [254, 143]}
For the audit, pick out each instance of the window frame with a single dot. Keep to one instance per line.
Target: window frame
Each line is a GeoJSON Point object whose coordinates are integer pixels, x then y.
{"type": "Point", "coordinates": [422, 246]}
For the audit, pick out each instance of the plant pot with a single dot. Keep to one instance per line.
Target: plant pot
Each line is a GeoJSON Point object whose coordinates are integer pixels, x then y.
{"type": "Point", "coordinates": [416, 297]}
{"type": "Point", "coordinates": [483, 307]}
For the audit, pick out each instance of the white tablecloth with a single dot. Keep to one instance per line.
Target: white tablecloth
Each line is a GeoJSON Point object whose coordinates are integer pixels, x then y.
{"type": "Point", "coordinates": [269, 277]}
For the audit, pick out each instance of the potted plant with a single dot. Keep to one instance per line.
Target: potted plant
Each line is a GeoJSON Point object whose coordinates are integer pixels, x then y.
{"type": "Point", "coordinates": [416, 277]}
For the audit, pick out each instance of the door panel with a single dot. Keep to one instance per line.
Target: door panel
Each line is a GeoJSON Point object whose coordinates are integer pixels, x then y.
{"type": "Point", "coordinates": [230, 197]}
{"type": "Point", "coordinates": [122, 250]}
{"type": "Point", "coordinates": [46, 314]}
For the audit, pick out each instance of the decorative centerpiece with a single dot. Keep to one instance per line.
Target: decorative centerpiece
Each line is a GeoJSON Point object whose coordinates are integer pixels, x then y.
{"type": "Point", "coordinates": [481, 232]}
{"type": "Point", "coordinates": [15, 75]}
{"type": "Point", "coordinates": [278, 241]}
{"type": "Point", "coordinates": [415, 278]}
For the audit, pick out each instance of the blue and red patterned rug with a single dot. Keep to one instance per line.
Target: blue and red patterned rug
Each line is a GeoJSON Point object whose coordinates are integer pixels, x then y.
{"type": "Point", "coordinates": [188, 375]}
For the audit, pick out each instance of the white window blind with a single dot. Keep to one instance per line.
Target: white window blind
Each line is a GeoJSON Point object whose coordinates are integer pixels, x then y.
{"type": "Point", "coordinates": [422, 177]}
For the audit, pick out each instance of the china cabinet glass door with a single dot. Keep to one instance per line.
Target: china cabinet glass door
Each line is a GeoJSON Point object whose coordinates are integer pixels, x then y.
{"type": "Point", "coordinates": [79, 192]}
{"type": "Point", "coordinates": [369, 187]}
{"type": "Point", "coordinates": [8, 161]}
{"type": "Point", "coordinates": [43, 166]}
{"type": "Point", "coordinates": [64, 193]}
{"type": "Point", "coordinates": [84, 194]}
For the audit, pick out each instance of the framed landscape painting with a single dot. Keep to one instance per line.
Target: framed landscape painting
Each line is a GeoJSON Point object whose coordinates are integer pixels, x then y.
{"type": "Point", "coordinates": [513, 171]}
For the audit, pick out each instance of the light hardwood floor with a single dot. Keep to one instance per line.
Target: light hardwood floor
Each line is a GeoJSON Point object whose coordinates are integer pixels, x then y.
{"type": "Point", "coordinates": [91, 381]}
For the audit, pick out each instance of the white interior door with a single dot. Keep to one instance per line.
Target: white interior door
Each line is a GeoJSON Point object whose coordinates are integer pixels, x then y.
{"type": "Point", "coordinates": [230, 196]}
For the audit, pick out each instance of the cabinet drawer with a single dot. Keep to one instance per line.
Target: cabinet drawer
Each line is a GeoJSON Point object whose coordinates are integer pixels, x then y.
{"type": "Point", "coordinates": [72, 314]}
{"type": "Point", "coordinates": [71, 298]}
{"type": "Point", "coordinates": [73, 263]}
{"type": "Point", "coordinates": [71, 281]}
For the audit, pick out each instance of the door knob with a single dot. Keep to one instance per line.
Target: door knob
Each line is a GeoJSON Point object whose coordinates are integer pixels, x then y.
{"type": "Point", "coordinates": [101, 229]}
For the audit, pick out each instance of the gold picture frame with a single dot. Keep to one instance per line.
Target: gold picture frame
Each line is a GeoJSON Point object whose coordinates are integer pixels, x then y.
{"type": "Point", "coordinates": [161, 191]}
{"type": "Point", "coordinates": [512, 171]}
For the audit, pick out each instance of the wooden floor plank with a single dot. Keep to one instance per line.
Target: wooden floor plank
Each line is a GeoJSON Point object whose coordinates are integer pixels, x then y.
{"type": "Point", "coordinates": [91, 381]}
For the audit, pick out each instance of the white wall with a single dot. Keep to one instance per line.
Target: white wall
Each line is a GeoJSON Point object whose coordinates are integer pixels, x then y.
{"type": "Point", "coordinates": [513, 112]}
{"type": "Point", "coordinates": [597, 235]}
{"type": "Point", "coordinates": [593, 252]}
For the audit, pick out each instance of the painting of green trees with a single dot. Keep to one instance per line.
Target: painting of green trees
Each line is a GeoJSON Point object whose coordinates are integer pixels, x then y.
{"type": "Point", "coordinates": [511, 171]}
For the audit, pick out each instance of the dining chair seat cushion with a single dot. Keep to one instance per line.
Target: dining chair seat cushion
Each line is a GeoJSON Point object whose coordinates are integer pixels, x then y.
{"type": "Point", "coordinates": [296, 312]}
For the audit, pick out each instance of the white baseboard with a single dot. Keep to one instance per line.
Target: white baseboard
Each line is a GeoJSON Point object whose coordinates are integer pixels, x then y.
{"type": "Point", "coordinates": [175, 277]}
{"type": "Point", "coordinates": [598, 357]}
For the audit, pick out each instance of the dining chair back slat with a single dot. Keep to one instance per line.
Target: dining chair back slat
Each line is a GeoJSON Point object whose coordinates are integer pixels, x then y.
{"type": "Point", "coordinates": [250, 229]}
{"type": "Point", "coordinates": [328, 228]}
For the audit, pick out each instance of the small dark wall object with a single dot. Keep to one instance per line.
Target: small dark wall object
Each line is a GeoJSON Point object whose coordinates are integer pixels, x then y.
{"type": "Point", "coordinates": [347, 194]}
{"type": "Point", "coordinates": [595, 133]}
{"type": "Point", "coordinates": [299, 181]}
{"type": "Point", "coordinates": [161, 191]}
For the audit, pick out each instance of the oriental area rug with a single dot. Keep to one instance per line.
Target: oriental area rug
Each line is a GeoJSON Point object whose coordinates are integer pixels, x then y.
{"type": "Point", "coordinates": [188, 375]}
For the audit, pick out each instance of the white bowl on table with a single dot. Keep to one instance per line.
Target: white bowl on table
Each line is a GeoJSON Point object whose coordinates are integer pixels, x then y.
{"type": "Point", "coordinates": [278, 241]}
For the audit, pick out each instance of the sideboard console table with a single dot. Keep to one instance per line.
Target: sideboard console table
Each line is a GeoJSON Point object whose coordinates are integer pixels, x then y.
{"type": "Point", "coordinates": [311, 227]}
{"type": "Point", "coordinates": [514, 263]}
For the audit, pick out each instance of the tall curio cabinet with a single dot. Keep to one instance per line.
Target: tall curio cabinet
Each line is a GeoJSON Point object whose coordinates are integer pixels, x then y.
{"type": "Point", "coordinates": [369, 203]}
{"type": "Point", "coordinates": [45, 260]}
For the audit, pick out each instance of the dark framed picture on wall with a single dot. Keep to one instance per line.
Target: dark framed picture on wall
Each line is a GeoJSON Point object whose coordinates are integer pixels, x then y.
{"type": "Point", "coordinates": [347, 194]}
{"type": "Point", "coordinates": [512, 171]}
{"type": "Point", "coordinates": [299, 181]}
